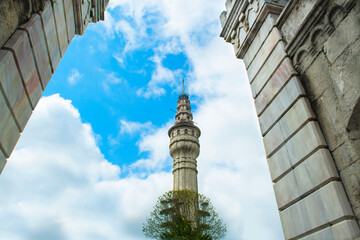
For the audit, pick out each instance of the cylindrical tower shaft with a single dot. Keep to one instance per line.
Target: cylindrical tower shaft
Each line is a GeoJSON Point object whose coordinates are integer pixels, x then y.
{"type": "Point", "coordinates": [184, 146]}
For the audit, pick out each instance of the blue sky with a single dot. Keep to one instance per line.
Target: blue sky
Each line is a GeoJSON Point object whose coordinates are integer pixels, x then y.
{"type": "Point", "coordinates": [94, 156]}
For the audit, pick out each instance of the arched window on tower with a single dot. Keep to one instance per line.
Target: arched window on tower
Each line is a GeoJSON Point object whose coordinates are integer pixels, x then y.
{"type": "Point", "coordinates": [192, 132]}
{"type": "Point", "coordinates": [186, 131]}
{"type": "Point", "coordinates": [178, 132]}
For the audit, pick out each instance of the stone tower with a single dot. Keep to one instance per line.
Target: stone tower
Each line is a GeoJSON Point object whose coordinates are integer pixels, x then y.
{"type": "Point", "coordinates": [184, 146]}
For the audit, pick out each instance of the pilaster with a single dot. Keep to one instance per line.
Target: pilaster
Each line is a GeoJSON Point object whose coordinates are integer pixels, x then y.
{"type": "Point", "coordinates": [309, 192]}
{"type": "Point", "coordinates": [30, 57]}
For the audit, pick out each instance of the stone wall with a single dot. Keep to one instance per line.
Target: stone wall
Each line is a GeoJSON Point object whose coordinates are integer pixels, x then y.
{"type": "Point", "coordinates": [326, 51]}
{"type": "Point", "coordinates": [268, 35]}
{"type": "Point", "coordinates": [30, 54]}
{"type": "Point", "coordinates": [16, 12]}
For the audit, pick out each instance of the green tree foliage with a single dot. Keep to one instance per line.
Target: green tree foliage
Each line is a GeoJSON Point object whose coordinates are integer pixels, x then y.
{"type": "Point", "coordinates": [184, 215]}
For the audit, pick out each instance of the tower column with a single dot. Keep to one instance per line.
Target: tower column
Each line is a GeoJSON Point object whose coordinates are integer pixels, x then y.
{"type": "Point", "coordinates": [184, 146]}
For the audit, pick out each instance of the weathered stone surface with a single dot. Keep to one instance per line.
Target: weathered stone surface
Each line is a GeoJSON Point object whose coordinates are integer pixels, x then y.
{"type": "Point", "coordinates": [321, 207]}
{"type": "Point", "coordinates": [297, 115]}
{"type": "Point", "coordinates": [321, 38]}
{"type": "Point", "coordinates": [346, 154]}
{"type": "Point", "coordinates": [323, 234]}
{"type": "Point", "coordinates": [279, 163]}
{"type": "Point", "coordinates": [296, 149]}
{"type": "Point", "coordinates": [350, 177]}
{"type": "Point", "coordinates": [12, 86]}
{"type": "Point", "coordinates": [273, 38]}
{"type": "Point", "coordinates": [61, 26]}
{"type": "Point", "coordinates": [296, 18]}
{"type": "Point", "coordinates": [305, 141]}
{"type": "Point", "coordinates": [317, 70]}
{"type": "Point", "coordinates": [344, 73]}
{"type": "Point", "coordinates": [311, 174]}
{"type": "Point", "coordinates": [259, 38]}
{"type": "Point", "coordinates": [70, 20]}
{"type": "Point", "coordinates": [10, 13]}
{"type": "Point", "coordinates": [345, 34]}
{"type": "Point", "coordinates": [316, 170]}
{"type": "Point", "coordinates": [37, 38]}
{"type": "Point", "coordinates": [282, 102]}
{"type": "Point", "coordinates": [20, 45]}
{"type": "Point", "coordinates": [275, 84]}
{"type": "Point", "coordinates": [269, 67]}
{"type": "Point", "coordinates": [286, 190]}
{"type": "Point", "coordinates": [47, 17]}
{"type": "Point", "coordinates": [9, 132]}
{"type": "Point", "coordinates": [347, 229]}
{"type": "Point", "coordinates": [2, 161]}
{"type": "Point", "coordinates": [330, 118]}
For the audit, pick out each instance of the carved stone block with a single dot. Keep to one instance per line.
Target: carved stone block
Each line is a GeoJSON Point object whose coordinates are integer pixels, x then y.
{"type": "Point", "coordinates": [279, 163]}
{"type": "Point", "coordinates": [19, 44]}
{"type": "Point", "coordinates": [70, 18]}
{"type": "Point", "coordinates": [52, 43]}
{"type": "Point", "coordinates": [323, 206]}
{"type": "Point", "coordinates": [9, 132]}
{"type": "Point", "coordinates": [61, 25]}
{"type": "Point", "coordinates": [282, 102]}
{"type": "Point", "coordinates": [282, 75]}
{"type": "Point", "coordinates": [267, 47]}
{"type": "Point", "coordinates": [298, 115]}
{"type": "Point", "coordinates": [315, 171]}
{"type": "Point", "coordinates": [259, 38]}
{"type": "Point", "coordinates": [269, 67]}
{"type": "Point", "coordinates": [347, 229]}
{"type": "Point", "coordinates": [11, 84]}
{"type": "Point", "coordinates": [37, 38]}
{"type": "Point", "coordinates": [298, 149]}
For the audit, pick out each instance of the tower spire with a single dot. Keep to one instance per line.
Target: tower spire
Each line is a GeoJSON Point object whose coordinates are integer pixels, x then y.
{"type": "Point", "coordinates": [183, 85]}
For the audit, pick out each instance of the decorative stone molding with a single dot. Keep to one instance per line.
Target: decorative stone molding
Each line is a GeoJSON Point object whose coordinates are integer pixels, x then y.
{"type": "Point", "coordinates": [243, 20]}
{"type": "Point", "coordinates": [29, 7]}
{"type": "Point", "coordinates": [87, 11]}
{"type": "Point", "coordinates": [319, 25]}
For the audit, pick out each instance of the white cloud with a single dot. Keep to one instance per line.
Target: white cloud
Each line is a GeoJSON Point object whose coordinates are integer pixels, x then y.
{"type": "Point", "coordinates": [74, 76]}
{"type": "Point", "coordinates": [57, 184]}
{"type": "Point", "coordinates": [129, 127]}
{"type": "Point", "coordinates": [110, 80]}
{"type": "Point", "coordinates": [156, 143]}
{"type": "Point", "coordinates": [160, 77]}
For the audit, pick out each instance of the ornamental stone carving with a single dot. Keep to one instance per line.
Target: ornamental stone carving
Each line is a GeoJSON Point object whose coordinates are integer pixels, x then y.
{"type": "Point", "coordinates": [321, 24]}
{"type": "Point", "coordinates": [87, 11]}
{"type": "Point", "coordinates": [242, 19]}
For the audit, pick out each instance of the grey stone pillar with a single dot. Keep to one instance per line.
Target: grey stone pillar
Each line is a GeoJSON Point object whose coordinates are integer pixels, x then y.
{"type": "Point", "coordinates": [309, 192]}
{"type": "Point", "coordinates": [30, 57]}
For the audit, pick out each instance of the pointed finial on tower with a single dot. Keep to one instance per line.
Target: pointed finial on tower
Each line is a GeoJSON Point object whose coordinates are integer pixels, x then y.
{"type": "Point", "coordinates": [183, 85]}
{"type": "Point", "coordinates": [183, 94]}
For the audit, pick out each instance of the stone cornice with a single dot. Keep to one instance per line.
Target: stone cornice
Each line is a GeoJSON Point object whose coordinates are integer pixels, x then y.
{"type": "Point", "coordinates": [244, 20]}
{"type": "Point", "coordinates": [87, 11]}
